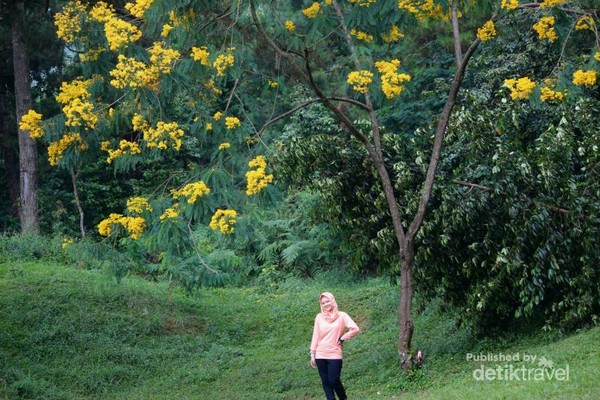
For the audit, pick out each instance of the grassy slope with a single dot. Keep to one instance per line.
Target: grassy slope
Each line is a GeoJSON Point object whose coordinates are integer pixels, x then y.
{"type": "Point", "coordinates": [75, 334]}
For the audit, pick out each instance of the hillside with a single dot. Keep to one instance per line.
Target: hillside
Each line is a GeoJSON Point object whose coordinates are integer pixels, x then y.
{"type": "Point", "coordinates": [76, 334]}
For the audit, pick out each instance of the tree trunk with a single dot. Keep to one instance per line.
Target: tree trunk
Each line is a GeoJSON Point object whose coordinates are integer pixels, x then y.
{"type": "Point", "coordinates": [405, 321]}
{"type": "Point", "coordinates": [10, 157]}
{"type": "Point", "coordinates": [28, 205]}
{"type": "Point", "coordinates": [78, 203]}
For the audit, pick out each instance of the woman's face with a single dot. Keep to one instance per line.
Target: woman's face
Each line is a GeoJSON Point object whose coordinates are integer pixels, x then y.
{"type": "Point", "coordinates": [326, 304]}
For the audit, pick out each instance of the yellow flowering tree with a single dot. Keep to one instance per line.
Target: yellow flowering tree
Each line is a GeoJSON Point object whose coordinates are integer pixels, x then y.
{"type": "Point", "coordinates": [374, 76]}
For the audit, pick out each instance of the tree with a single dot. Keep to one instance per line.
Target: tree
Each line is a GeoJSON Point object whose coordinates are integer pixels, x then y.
{"type": "Point", "coordinates": [28, 203]}
{"type": "Point", "coordinates": [300, 57]}
{"type": "Point", "coordinates": [150, 83]}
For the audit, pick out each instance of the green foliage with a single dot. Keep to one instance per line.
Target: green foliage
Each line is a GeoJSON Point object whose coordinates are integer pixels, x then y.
{"type": "Point", "coordinates": [513, 230]}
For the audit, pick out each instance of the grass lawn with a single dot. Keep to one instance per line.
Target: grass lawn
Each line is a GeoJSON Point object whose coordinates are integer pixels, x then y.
{"type": "Point", "coordinates": [68, 333]}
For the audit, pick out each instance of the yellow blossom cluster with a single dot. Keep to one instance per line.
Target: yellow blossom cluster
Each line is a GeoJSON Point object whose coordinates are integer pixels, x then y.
{"type": "Point", "coordinates": [257, 178]}
{"type": "Point", "coordinates": [520, 89]}
{"type": "Point", "coordinates": [584, 78]}
{"type": "Point", "coordinates": [160, 136]}
{"type": "Point", "coordinates": [549, 94]}
{"type": "Point", "coordinates": [91, 55]}
{"type": "Point", "coordinates": [363, 3]}
{"type": "Point", "coordinates": [138, 205]}
{"type": "Point", "coordinates": [77, 107]}
{"type": "Point", "coordinates": [290, 25]}
{"type": "Point", "coordinates": [487, 31]}
{"type": "Point", "coordinates": [552, 3]}
{"type": "Point", "coordinates": [585, 23]}
{"type": "Point", "coordinates": [174, 22]}
{"type": "Point", "coordinates": [209, 126]}
{"type": "Point", "coordinates": [391, 80]}
{"type": "Point", "coordinates": [360, 80]}
{"type": "Point", "coordinates": [170, 213]}
{"type": "Point", "coordinates": [125, 148]}
{"type": "Point", "coordinates": [192, 191]}
{"type": "Point", "coordinates": [217, 116]}
{"type": "Point", "coordinates": [201, 54]}
{"type": "Point", "coordinates": [32, 122]}
{"type": "Point", "coordinates": [313, 10]}
{"type": "Point", "coordinates": [138, 8]}
{"type": "Point", "coordinates": [545, 29]}
{"type": "Point", "coordinates": [68, 21]}
{"type": "Point", "coordinates": [210, 85]}
{"type": "Point", "coordinates": [224, 220]}
{"type": "Point", "coordinates": [130, 72]}
{"type": "Point", "coordinates": [67, 242]}
{"type": "Point", "coordinates": [133, 225]}
{"type": "Point", "coordinates": [424, 9]}
{"type": "Point", "coordinates": [162, 58]}
{"type": "Point", "coordinates": [223, 62]}
{"type": "Point", "coordinates": [393, 35]}
{"type": "Point", "coordinates": [597, 56]}
{"type": "Point", "coordinates": [56, 150]}
{"type": "Point", "coordinates": [120, 33]}
{"type": "Point", "coordinates": [224, 146]}
{"type": "Point", "coordinates": [102, 12]}
{"type": "Point", "coordinates": [273, 84]}
{"type": "Point", "coordinates": [232, 122]}
{"type": "Point", "coordinates": [363, 36]}
{"type": "Point", "coordinates": [509, 4]}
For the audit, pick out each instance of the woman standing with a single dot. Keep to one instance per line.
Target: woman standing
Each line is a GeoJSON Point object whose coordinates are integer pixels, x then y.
{"type": "Point", "coordinates": [329, 333]}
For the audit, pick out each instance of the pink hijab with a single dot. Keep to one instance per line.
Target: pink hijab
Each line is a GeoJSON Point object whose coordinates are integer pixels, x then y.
{"type": "Point", "coordinates": [334, 313]}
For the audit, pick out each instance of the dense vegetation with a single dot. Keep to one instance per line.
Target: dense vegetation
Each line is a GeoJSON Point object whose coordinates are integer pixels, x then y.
{"type": "Point", "coordinates": [450, 147]}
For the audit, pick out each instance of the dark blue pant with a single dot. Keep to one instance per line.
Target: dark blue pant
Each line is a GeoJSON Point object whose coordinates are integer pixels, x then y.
{"type": "Point", "coordinates": [330, 371]}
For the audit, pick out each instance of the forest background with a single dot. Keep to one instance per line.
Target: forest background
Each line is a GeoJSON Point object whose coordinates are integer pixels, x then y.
{"type": "Point", "coordinates": [212, 143]}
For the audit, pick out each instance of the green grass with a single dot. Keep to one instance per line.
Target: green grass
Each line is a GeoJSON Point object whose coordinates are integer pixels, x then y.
{"type": "Point", "coordinates": [68, 333]}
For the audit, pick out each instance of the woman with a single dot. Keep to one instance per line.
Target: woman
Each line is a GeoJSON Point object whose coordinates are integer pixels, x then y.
{"type": "Point", "coordinates": [326, 344]}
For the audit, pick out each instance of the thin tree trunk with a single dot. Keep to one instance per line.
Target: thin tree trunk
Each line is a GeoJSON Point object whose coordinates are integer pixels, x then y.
{"type": "Point", "coordinates": [10, 157]}
{"type": "Point", "coordinates": [28, 205]}
{"type": "Point", "coordinates": [78, 204]}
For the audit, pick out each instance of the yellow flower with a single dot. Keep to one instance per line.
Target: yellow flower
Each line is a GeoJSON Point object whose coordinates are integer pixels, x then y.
{"type": "Point", "coordinates": [224, 146]}
{"type": "Point", "coordinates": [548, 94]}
{"type": "Point", "coordinates": [68, 21]}
{"type": "Point", "coordinates": [597, 56]}
{"type": "Point", "coordinates": [391, 80]}
{"type": "Point", "coordinates": [509, 4]}
{"type": "Point", "coordinates": [313, 10]}
{"type": "Point", "coordinates": [273, 84]}
{"type": "Point", "coordinates": [192, 191]}
{"type": "Point", "coordinates": [520, 89]}
{"type": "Point", "coordinates": [363, 36]}
{"type": "Point", "coordinates": [487, 31]}
{"type": "Point", "coordinates": [125, 148]}
{"type": "Point", "coordinates": [102, 12]}
{"type": "Point", "coordinates": [133, 225]}
{"type": "Point", "coordinates": [209, 126]}
{"type": "Point", "coordinates": [394, 35]}
{"type": "Point", "coordinates": [32, 122]}
{"type": "Point", "coordinates": [551, 3]}
{"type": "Point", "coordinates": [57, 149]}
{"type": "Point", "coordinates": [223, 62]}
{"type": "Point", "coordinates": [257, 179]}
{"type": "Point", "coordinates": [138, 205]}
{"type": "Point", "coordinates": [67, 242]}
{"type": "Point", "coordinates": [360, 80]}
{"type": "Point", "coordinates": [232, 122]}
{"type": "Point", "coordinates": [290, 25]}
{"type": "Point", "coordinates": [545, 29]}
{"type": "Point", "coordinates": [138, 8]}
{"type": "Point", "coordinates": [201, 54]}
{"type": "Point", "coordinates": [363, 3]}
{"type": "Point", "coordinates": [120, 33]}
{"type": "Point", "coordinates": [584, 78]}
{"type": "Point", "coordinates": [217, 115]}
{"type": "Point", "coordinates": [585, 23]}
{"type": "Point", "coordinates": [170, 213]}
{"type": "Point", "coordinates": [224, 220]}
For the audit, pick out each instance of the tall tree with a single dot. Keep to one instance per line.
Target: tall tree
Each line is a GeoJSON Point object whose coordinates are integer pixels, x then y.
{"type": "Point", "coordinates": [28, 203]}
